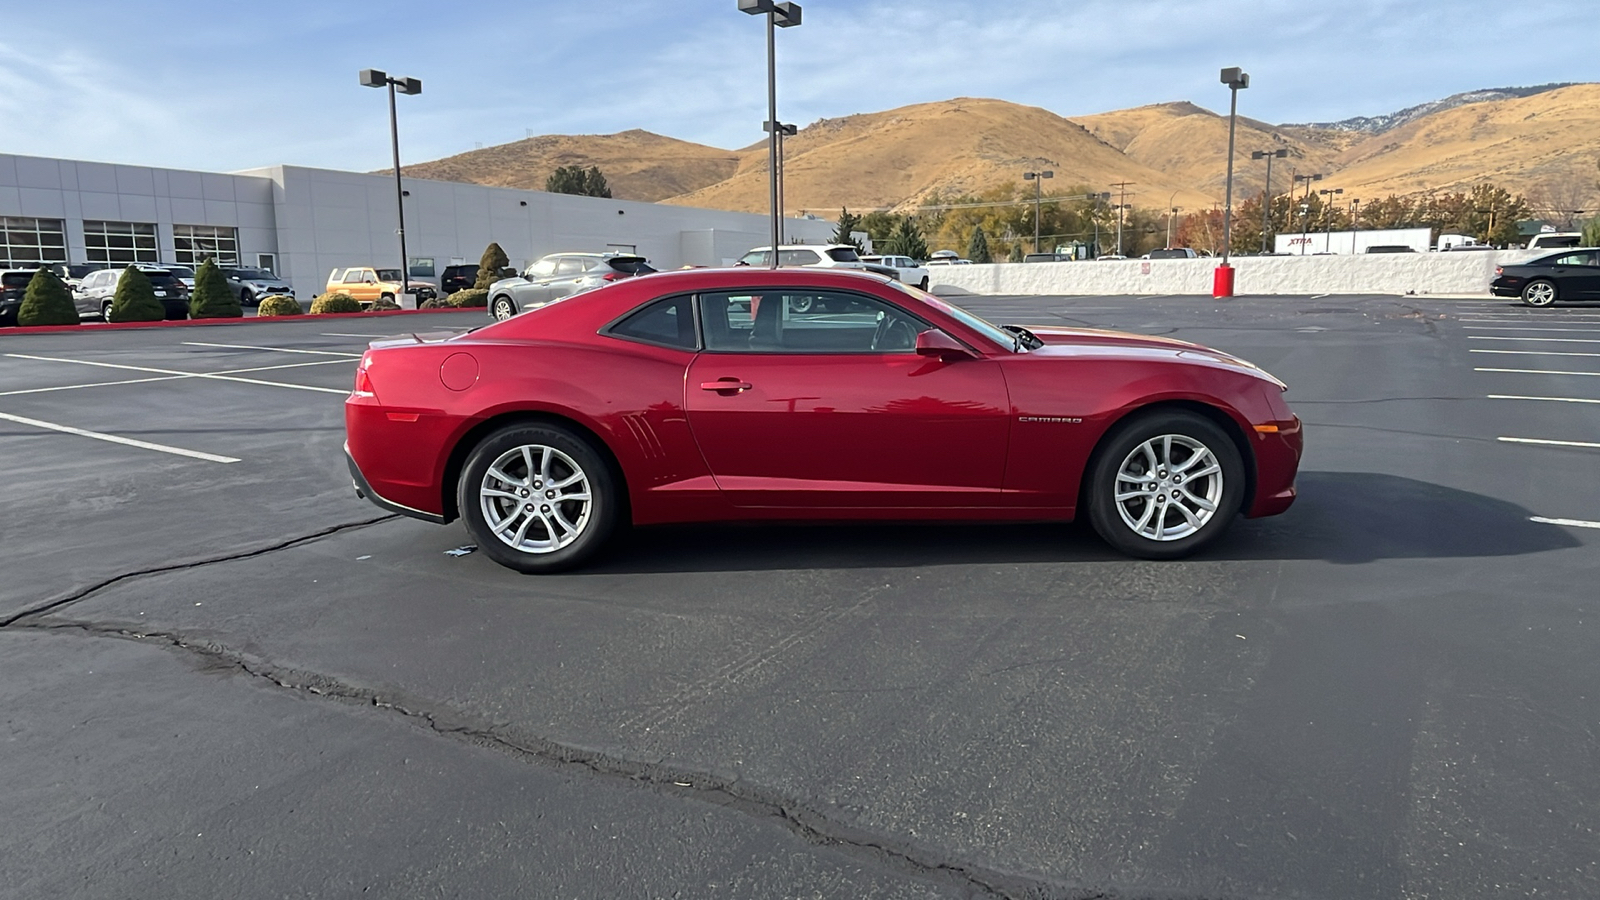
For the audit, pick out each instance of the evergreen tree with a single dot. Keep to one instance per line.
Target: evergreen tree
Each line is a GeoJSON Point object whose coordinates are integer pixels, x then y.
{"type": "Point", "coordinates": [47, 301]}
{"type": "Point", "coordinates": [878, 225]}
{"type": "Point", "coordinates": [1016, 254]}
{"type": "Point", "coordinates": [135, 299]}
{"type": "Point", "coordinates": [211, 298]}
{"type": "Point", "coordinates": [848, 222]}
{"type": "Point", "coordinates": [594, 183]}
{"type": "Point", "coordinates": [578, 180]}
{"type": "Point", "coordinates": [907, 240]}
{"type": "Point", "coordinates": [493, 260]}
{"type": "Point", "coordinates": [978, 247]}
{"type": "Point", "coordinates": [1591, 233]}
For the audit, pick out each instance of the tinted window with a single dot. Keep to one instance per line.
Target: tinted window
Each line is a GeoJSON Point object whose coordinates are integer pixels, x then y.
{"type": "Point", "coordinates": [805, 321]}
{"type": "Point", "coordinates": [385, 275]}
{"type": "Point", "coordinates": [15, 280]}
{"type": "Point", "coordinates": [632, 265]}
{"type": "Point", "coordinates": [669, 322]}
{"type": "Point", "coordinates": [756, 258]}
{"type": "Point", "coordinates": [1585, 258]}
{"type": "Point", "coordinates": [798, 258]}
{"type": "Point", "coordinates": [163, 279]}
{"type": "Point", "coordinates": [843, 254]}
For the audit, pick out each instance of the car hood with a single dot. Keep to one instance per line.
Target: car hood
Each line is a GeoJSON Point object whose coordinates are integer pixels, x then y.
{"type": "Point", "coordinates": [1065, 340]}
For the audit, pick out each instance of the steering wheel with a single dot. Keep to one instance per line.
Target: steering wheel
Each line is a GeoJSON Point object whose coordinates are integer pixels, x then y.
{"type": "Point", "coordinates": [894, 333]}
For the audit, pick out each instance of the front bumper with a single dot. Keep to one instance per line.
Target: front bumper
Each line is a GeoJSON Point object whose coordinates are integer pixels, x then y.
{"type": "Point", "coordinates": [1277, 457]}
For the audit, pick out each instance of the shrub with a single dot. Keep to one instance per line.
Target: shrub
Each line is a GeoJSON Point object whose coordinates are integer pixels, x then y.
{"type": "Point", "coordinates": [469, 297]}
{"type": "Point", "coordinates": [435, 303]}
{"type": "Point", "coordinates": [135, 299]}
{"type": "Point", "coordinates": [211, 298]}
{"type": "Point", "coordinates": [278, 305]}
{"type": "Point", "coordinates": [47, 302]}
{"type": "Point", "coordinates": [493, 262]}
{"type": "Point", "coordinates": [335, 302]}
{"type": "Point", "coordinates": [383, 304]}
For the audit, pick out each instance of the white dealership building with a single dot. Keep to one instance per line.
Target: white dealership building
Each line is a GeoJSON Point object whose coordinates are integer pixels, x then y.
{"type": "Point", "coordinates": [301, 223]}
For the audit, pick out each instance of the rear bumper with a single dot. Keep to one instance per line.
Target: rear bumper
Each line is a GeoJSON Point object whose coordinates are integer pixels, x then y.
{"type": "Point", "coordinates": [1506, 287]}
{"type": "Point", "coordinates": [364, 490]}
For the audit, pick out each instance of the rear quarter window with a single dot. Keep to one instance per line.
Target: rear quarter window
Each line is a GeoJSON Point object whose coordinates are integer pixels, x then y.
{"type": "Point", "coordinates": [668, 322]}
{"type": "Point", "coordinates": [843, 254]}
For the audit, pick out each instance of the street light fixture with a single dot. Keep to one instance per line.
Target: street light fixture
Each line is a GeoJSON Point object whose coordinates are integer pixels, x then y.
{"type": "Point", "coordinates": [374, 78]}
{"type": "Point", "coordinates": [783, 132]}
{"type": "Point", "coordinates": [1305, 206]}
{"type": "Point", "coordinates": [1038, 180]}
{"type": "Point", "coordinates": [1237, 80]}
{"type": "Point", "coordinates": [779, 15]}
{"type": "Point", "coordinates": [1355, 223]}
{"type": "Point", "coordinates": [1327, 226]}
{"type": "Point", "coordinates": [1266, 194]}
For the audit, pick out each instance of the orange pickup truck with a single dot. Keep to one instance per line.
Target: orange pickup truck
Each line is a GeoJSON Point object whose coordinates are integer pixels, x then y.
{"type": "Point", "coordinates": [367, 284]}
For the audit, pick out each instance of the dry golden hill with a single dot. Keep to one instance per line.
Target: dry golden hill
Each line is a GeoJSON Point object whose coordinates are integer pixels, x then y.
{"type": "Point", "coordinates": [638, 165]}
{"type": "Point", "coordinates": [1543, 146]}
{"type": "Point", "coordinates": [904, 156]}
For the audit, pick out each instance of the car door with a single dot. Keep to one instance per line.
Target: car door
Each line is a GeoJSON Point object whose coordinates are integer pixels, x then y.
{"type": "Point", "coordinates": [569, 276]}
{"type": "Point", "coordinates": [535, 291]}
{"type": "Point", "coordinates": [811, 399]}
{"type": "Point", "coordinates": [1583, 274]}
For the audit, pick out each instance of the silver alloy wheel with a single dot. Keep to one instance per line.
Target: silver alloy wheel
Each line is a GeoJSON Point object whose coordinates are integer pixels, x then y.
{"type": "Point", "coordinates": [105, 310]}
{"type": "Point", "coordinates": [535, 499]}
{"type": "Point", "coordinates": [1540, 293]}
{"type": "Point", "coordinates": [502, 309]}
{"type": "Point", "coordinates": [1168, 488]}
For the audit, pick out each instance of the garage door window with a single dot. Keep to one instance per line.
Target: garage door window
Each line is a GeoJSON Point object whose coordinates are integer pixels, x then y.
{"type": "Point", "coordinates": [191, 244]}
{"type": "Point", "coordinates": [27, 242]}
{"type": "Point", "coordinates": [114, 243]}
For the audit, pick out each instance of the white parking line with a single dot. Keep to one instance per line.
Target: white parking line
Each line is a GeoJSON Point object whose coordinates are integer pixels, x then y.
{"type": "Point", "coordinates": [1521, 328]}
{"type": "Point", "coordinates": [73, 387]}
{"type": "Point", "coordinates": [1552, 399]}
{"type": "Point", "coordinates": [1496, 337]}
{"type": "Point", "coordinates": [1549, 443]}
{"type": "Point", "coordinates": [210, 375]}
{"type": "Point", "coordinates": [1535, 371]}
{"type": "Point", "coordinates": [1536, 352]}
{"type": "Point", "coordinates": [1570, 523]}
{"type": "Point", "coordinates": [273, 349]}
{"type": "Point", "coordinates": [114, 439]}
{"type": "Point", "coordinates": [349, 334]}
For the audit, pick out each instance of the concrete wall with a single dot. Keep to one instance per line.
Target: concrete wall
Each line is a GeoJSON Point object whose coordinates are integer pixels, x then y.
{"type": "Point", "coordinates": [1387, 273]}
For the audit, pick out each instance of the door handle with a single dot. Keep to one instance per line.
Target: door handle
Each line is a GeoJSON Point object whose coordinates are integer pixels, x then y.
{"type": "Point", "coordinates": [726, 386]}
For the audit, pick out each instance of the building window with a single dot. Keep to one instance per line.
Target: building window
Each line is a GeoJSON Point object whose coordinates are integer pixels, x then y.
{"type": "Point", "coordinates": [26, 243]}
{"type": "Point", "coordinates": [192, 244]}
{"type": "Point", "coordinates": [120, 243]}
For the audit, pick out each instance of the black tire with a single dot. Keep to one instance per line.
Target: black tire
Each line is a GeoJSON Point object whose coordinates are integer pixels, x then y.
{"type": "Point", "coordinates": [1117, 451]}
{"type": "Point", "coordinates": [246, 298]}
{"type": "Point", "coordinates": [105, 310]}
{"type": "Point", "coordinates": [502, 308]}
{"type": "Point", "coordinates": [593, 527]}
{"type": "Point", "coordinates": [389, 297]}
{"type": "Point", "coordinates": [924, 283]}
{"type": "Point", "coordinates": [1540, 293]}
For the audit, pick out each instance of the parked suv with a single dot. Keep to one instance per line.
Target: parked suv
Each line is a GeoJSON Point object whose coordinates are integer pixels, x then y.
{"type": "Point", "coordinates": [13, 285]}
{"type": "Point", "coordinates": [817, 256]}
{"type": "Point", "coordinates": [367, 285]}
{"type": "Point", "coordinates": [99, 287]}
{"type": "Point", "coordinates": [71, 273]}
{"type": "Point", "coordinates": [1171, 253]}
{"type": "Point", "coordinates": [250, 285]}
{"type": "Point", "coordinates": [906, 269]}
{"type": "Point", "coordinates": [559, 276]}
{"type": "Point", "coordinates": [457, 278]}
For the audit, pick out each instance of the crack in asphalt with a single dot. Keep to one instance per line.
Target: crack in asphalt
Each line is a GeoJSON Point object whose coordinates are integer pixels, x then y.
{"type": "Point", "coordinates": [61, 602]}
{"type": "Point", "coordinates": [812, 826]}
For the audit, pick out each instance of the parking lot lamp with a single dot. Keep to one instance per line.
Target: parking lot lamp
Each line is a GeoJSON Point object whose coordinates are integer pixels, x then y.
{"type": "Point", "coordinates": [1237, 80]}
{"type": "Point", "coordinates": [1305, 206]}
{"type": "Point", "coordinates": [1327, 226]}
{"type": "Point", "coordinates": [779, 15]}
{"type": "Point", "coordinates": [1266, 193]}
{"type": "Point", "coordinates": [1038, 197]}
{"type": "Point", "coordinates": [783, 132]}
{"type": "Point", "coordinates": [374, 78]}
{"type": "Point", "coordinates": [1355, 223]}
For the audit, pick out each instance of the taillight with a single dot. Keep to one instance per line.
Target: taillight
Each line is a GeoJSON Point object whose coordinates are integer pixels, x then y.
{"type": "Point", "coordinates": [612, 276]}
{"type": "Point", "coordinates": [363, 380]}
{"type": "Point", "coordinates": [1499, 270]}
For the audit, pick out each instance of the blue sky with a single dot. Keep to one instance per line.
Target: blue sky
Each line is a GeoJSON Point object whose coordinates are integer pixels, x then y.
{"type": "Point", "coordinates": [227, 85]}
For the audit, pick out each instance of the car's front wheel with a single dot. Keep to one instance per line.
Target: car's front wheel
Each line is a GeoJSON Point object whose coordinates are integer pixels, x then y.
{"type": "Point", "coordinates": [1165, 484]}
{"type": "Point", "coordinates": [538, 498]}
{"type": "Point", "coordinates": [1539, 293]}
{"type": "Point", "coordinates": [246, 298]}
{"type": "Point", "coordinates": [924, 283]}
{"type": "Point", "coordinates": [502, 308]}
{"type": "Point", "coordinates": [105, 310]}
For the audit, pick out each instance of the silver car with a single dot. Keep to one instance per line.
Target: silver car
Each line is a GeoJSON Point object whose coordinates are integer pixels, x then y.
{"type": "Point", "coordinates": [99, 288]}
{"type": "Point", "coordinates": [560, 275]}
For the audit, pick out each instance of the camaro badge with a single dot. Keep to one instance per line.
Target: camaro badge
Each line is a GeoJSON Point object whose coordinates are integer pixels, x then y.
{"type": "Point", "coordinates": [1065, 419]}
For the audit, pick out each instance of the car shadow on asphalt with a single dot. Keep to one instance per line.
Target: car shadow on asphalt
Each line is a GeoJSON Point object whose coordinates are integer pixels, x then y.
{"type": "Point", "coordinates": [1340, 517]}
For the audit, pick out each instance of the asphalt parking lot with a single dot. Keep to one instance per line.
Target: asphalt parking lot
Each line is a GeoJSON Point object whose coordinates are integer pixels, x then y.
{"type": "Point", "coordinates": [222, 674]}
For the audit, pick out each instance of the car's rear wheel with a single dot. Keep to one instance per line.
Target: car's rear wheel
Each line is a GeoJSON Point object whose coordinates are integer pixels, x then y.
{"type": "Point", "coordinates": [503, 308]}
{"type": "Point", "coordinates": [1539, 293]}
{"type": "Point", "coordinates": [105, 310]}
{"type": "Point", "coordinates": [1165, 484]}
{"type": "Point", "coordinates": [537, 498]}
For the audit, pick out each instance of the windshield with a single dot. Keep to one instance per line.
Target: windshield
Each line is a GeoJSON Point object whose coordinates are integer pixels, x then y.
{"type": "Point", "coordinates": [254, 275]}
{"type": "Point", "coordinates": [388, 274]}
{"type": "Point", "coordinates": [988, 329]}
{"type": "Point", "coordinates": [181, 271]}
{"type": "Point", "coordinates": [843, 254]}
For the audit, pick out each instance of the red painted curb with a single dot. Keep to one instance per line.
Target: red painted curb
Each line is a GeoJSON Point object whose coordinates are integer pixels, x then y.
{"type": "Point", "coordinates": [93, 327]}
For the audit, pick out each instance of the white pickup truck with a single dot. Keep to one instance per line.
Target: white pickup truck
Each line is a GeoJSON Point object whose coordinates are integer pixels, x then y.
{"type": "Point", "coordinates": [911, 271]}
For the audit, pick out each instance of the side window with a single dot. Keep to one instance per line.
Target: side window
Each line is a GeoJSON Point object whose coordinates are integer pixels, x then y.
{"type": "Point", "coordinates": [756, 258]}
{"type": "Point", "coordinates": [569, 266]}
{"type": "Point", "coordinates": [798, 257]}
{"type": "Point", "coordinates": [542, 268]}
{"type": "Point", "coordinates": [669, 322]}
{"type": "Point", "coordinates": [1574, 259]}
{"type": "Point", "coordinates": [369, 277]}
{"type": "Point", "coordinates": [805, 321]}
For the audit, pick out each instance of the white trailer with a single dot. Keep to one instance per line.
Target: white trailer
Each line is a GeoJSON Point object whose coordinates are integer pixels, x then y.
{"type": "Point", "coordinates": [1311, 243]}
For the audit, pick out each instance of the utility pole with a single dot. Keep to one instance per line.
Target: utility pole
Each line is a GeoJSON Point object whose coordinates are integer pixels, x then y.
{"type": "Point", "coordinates": [1122, 205]}
{"type": "Point", "coordinates": [778, 15]}
{"type": "Point", "coordinates": [1038, 179]}
{"type": "Point", "coordinates": [1266, 193]}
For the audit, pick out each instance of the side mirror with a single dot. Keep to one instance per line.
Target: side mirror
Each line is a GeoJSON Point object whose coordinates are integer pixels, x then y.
{"type": "Point", "coordinates": [935, 343]}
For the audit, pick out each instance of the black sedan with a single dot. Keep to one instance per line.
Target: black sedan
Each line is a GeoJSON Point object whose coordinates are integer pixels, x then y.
{"type": "Point", "coordinates": [1568, 275]}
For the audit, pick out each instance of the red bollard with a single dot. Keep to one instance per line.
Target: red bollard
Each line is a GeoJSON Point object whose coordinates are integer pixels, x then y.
{"type": "Point", "coordinates": [1222, 281]}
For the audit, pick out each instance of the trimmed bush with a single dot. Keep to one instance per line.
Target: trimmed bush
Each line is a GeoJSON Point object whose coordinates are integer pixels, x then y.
{"type": "Point", "coordinates": [490, 265]}
{"type": "Point", "coordinates": [335, 302]}
{"type": "Point", "coordinates": [468, 297]}
{"type": "Point", "coordinates": [211, 298]}
{"type": "Point", "coordinates": [383, 304]}
{"type": "Point", "coordinates": [135, 299]}
{"type": "Point", "coordinates": [47, 302]}
{"type": "Point", "coordinates": [278, 305]}
{"type": "Point", "coordinates": [434, 303]}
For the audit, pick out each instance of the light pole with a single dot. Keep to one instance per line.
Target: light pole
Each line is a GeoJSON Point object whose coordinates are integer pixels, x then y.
{"type": "Point", "coordinates": [1122, 204]}
{"type": "Point", "coordinates": [373, 78]}
{"type": "Point", "coordinates": [1237, 80]}
{"type": "Point", "coordinates": [1038, 195]}
{"type": "Point", "coordinates": [779, 15]}
{"type": "Point", "coordinates": [1355, 222]}
{"type": "Point", "coordinates": [1172, 211]}
{"type": "Point", "coordinates": [783, 132]}
{"type": "Point", "coordinates": [1327, 226]}
{"type": "Point", "coordinates": [1099, 201]}
{"type": "Point", "coordinates": [1305, 206]}
{"type": "Point", "coordinates": [1266, 193]}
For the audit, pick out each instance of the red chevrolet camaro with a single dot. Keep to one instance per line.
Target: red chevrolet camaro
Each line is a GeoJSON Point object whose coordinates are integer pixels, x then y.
{"type": "Point", "coordinates": [796, 394]}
